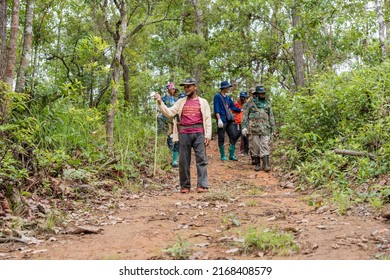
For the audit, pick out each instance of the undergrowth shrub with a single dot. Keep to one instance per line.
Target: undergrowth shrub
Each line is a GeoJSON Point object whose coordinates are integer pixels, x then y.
{"type": "Point", "coordinates": [135, 143]}
{"type": "Point", "coordinates": [16, 140]}
{"type": "Point", "coordinates": [347, 111]}
{"type": "Point", "coordinates": [79, 132]}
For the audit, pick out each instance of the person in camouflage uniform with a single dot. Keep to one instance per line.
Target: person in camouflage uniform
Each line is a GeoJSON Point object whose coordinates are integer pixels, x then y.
{"type": "Point", "coordinates": [259, 124]}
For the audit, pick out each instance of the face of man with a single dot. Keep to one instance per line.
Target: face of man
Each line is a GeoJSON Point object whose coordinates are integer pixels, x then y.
{"type": "Point", "coordinates": [262, 95]}
{"type": "Point", "coordinates": [225, 91]}
{"type": "Point", "coordinates": [189, 90]}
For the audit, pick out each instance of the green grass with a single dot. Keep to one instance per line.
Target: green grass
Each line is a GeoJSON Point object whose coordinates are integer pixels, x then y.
{"type": "Point", "coordinates": [251, 203]}
{"type": "Point", "coordinates": [231, 220]}
{"type": "Point", "coordinates": [214, 195]}
{"type": "Point", "coordinates": [181, 250]}
{"type": "Point", "coordinates": [269, 240]}
{"type": "Point", "coordinates": [342, 201]}
{"type": "Point", "coordinates": [254, 191]}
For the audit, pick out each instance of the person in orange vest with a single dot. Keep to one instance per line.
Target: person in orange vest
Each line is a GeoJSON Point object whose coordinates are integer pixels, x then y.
{"type": "Point", "coordinates": [244, 146]}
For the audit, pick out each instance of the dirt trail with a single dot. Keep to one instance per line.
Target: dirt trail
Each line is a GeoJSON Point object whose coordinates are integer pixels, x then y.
{"type": "Point", "coordinates": [141, 226]}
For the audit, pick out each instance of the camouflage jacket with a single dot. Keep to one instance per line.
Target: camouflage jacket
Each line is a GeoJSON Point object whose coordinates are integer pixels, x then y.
{"type": "Point", "coordinates": [258, 117]}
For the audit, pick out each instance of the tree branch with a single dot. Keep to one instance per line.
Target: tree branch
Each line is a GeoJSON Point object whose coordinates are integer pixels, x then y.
{"type": "Point", "coordinates": [354, 153]}
{"type": "Point", "coordinates": [53, 56]}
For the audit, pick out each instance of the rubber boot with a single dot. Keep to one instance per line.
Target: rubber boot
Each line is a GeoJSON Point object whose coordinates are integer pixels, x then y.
{"type": "Point", "coordinates": [267, 167]}
{"type": "Point", "coordinates": [253, 159]}
{"type": "Point", "coordinates": [246, 150]}
{"type": "Point", "coordinates": [222, 152]}
{"type": "Point", "coordinates": [257, 163]}
{"type": "Point", "coordinates": [175, 163]}
{"type": "Point", "coordinates": [232, 149]}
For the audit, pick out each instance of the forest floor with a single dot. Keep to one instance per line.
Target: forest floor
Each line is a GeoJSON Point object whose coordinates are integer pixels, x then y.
{"type": "Point", "coordinates": [123, 225]}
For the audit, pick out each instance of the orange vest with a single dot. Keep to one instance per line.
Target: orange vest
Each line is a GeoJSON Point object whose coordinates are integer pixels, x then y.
{"type": "Point", "coordinates": [238, 116]}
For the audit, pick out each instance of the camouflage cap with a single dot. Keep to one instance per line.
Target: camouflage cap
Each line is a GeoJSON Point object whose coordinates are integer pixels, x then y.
{"type": "Point", "coordinates": [260, 89]}
{"type": "Point", "coordinates": [188, 81]}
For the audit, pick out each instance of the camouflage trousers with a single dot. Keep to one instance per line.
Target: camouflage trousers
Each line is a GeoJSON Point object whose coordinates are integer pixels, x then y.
{"type": "Point", "coordinates": [259, 145]}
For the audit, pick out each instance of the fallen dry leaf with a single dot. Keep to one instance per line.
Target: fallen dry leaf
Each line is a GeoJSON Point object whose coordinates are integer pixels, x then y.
{"type": "Point", "coordinates": [322, 227]}
{"type": "Point", "coordinates": [84, 229]}
{"type": "Point", "coordinates": [232, 251]}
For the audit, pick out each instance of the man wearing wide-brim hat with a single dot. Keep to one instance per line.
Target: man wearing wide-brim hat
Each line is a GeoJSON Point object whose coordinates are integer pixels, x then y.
{"type": "Point", "coordinates": [259, 124]}
{"type": "Point", "coordinates": [225, 120]}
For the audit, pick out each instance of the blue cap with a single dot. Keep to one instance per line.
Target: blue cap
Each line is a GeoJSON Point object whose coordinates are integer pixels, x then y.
{"type": "Point", "coordinates": [243, 94]}
{"type": "Point", "coordinates": [225, 84]}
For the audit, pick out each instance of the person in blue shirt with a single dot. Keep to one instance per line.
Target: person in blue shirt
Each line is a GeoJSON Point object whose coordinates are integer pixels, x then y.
{"type": "Point", "coordinates": [182, 94]}
{"type": "Point", "coordinates": [169, 99]}
{"type": "Point", "coordinates": [225, 120]}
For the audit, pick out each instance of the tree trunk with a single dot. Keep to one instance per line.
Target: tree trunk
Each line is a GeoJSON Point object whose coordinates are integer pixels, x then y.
{"type": "Point", "coordinates": [3, 38]}
{"type": "Point", "coordinates": [382, 27]}
{"type": "Point", "coordinates": [27, 42]}
{"type": "Point", "coordinates": [120, 41]}
{"type": "Point", "coordinates": [180, 34]}
{"type": "Point", "coordinates": [13, 39]}
{"type": "Point", "coordinates": [298, 50]}
{"type": "Point", "coordinates": [329, 30]}
{"type": "Point", "coordinates": [198, 14]}
{"type": "Point", "coordinates": [126, 80]}
{"type": "Point", "coordinates": [44, 12]}
{"type": "Point", "coordinates": [274, 37]}
{"type": "Point", "coordinates": [387, 22]}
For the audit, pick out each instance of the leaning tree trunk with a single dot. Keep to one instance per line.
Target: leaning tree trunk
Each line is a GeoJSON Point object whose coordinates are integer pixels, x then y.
{"type": "Point", "coordinates": [298, 51]}
{"type": "Point", "coordinates": [11, 50]}
{"type": "Point", "coordinates": [27, 42]}
{"type": "Point", "coordinates": [3, 38]}
{"type": "Point", "coordinates": [120, 41]}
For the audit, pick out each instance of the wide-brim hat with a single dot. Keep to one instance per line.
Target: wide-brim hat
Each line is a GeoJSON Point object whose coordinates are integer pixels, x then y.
{"type": "Point", "coordinates": [225, 84]}
{"type": "Point", "coordinates": [188, 81]}
{"type": "Point", "coordinates": [260, 89]}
